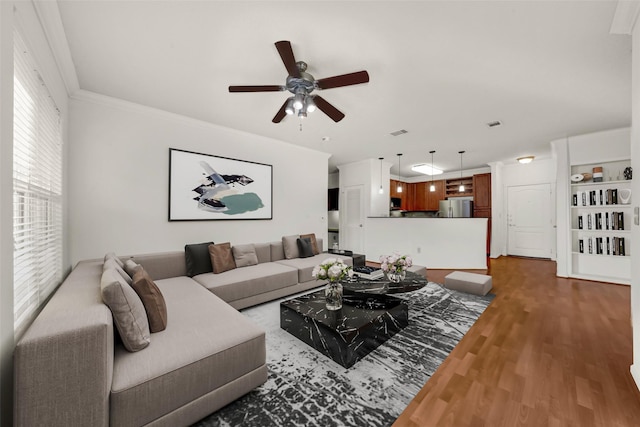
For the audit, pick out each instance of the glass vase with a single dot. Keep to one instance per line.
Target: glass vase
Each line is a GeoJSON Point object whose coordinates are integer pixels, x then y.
{"type": "Point", "coordinates": [396, 276]}
{"type": "Point", "coordinates": [333, 296]}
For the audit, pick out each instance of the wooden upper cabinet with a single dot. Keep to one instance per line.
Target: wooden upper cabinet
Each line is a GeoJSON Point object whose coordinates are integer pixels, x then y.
{"type": "Point", "coordinates": [482, 191]}
{"type": "Point", "coordinates": [419, 196]}
{"type": "Point", "coordinates": [434, 197]}
{"type": "Point", "coordinates": [393, 188]}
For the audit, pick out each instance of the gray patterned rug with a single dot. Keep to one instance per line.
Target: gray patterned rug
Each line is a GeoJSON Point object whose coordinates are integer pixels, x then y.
{"type": "Point", "coordinates": [306, 388]}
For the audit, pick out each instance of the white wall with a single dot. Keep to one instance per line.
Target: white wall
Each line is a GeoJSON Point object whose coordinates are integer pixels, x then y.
{"type": "Point", "coordinates": [635, 186]}
{"type": "Point", "coordinates": [119, 173]}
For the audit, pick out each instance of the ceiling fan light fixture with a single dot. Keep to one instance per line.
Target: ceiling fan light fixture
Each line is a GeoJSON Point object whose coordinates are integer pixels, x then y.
{"type": "Point", "coordinates": [289, 109]}
{"type": "Point", "coordinates": [298, 100]}
{"type": "Point", "coordinates": [309, 104]}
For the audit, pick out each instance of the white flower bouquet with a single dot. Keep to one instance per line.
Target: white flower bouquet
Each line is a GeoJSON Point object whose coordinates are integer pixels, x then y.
{"type": "Point", "coordinates": [395, 263]}
{"type": "Point", "coordinates": [331, 269]}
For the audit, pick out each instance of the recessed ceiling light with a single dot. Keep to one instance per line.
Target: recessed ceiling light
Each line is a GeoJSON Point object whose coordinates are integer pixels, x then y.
{"type": "Point", "coordinates": [526, 159]}
{"type": "Point", "coordinates": [426, 169]}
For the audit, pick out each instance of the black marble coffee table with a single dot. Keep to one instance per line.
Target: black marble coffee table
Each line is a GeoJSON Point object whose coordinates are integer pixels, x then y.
{"type": "Point", "coordinates": [411, 282]}
{"type": "Point", "coordinates": [346, 335]}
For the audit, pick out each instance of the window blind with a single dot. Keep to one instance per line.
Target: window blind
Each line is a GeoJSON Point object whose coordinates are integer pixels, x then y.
{"type": "Point", "coordinates": [37, 189]}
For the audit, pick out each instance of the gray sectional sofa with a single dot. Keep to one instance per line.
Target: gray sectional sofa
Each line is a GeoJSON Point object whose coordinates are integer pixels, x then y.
{"type": "Point", "coordinates": [72, 370]}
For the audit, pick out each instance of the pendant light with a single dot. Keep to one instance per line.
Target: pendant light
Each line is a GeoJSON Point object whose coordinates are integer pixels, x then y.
{"type": "Point", "coordinates": [432, 188]}
{"type": "Point", "coordinates": [461, 189]}
{"type": "Point", "coordinates": [399, 189]}
{"type": "Point", "coordinates": [381, 190]}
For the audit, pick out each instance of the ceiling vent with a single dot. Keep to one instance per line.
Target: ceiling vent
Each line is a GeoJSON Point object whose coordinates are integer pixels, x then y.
{"type": "Point", "coordinates": [399, 132]}
{"type": "Point", "coordinates": [494, 124]}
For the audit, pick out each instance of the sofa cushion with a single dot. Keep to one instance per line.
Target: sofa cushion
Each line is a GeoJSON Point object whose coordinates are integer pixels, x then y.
{"type": "Point", "coordinates": [277, 251]}
{"type": "Point", "coordinates": [111, 264]}
{"type": "Point", "coordinates": [305, 265]}
{"type": "Point", "coordinates": [127, 310]}
{"type": "Point", "coordinates": [290, 245]}
{"type": "Point", "coordinates": [263, 252]}
{"type": "Point", "coordinates": [197, 258]}
{"type": "Point", "coordinates": [221, 257]}
{"type": "Point", "coordinates": [244, 255]}
{"type": "Point", "coordinates": [304, 247]}
{"type": "Point", "coordinates": [197, 353]}
{"type": "Point", "coordinates": [152, 299]}
{"type": "Point", "coordinates": [248, 281]}
{"type": "Point", "coordinates": [314, 242]}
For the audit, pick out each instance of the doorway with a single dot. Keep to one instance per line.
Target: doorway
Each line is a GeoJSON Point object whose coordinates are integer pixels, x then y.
{"type": "Point", "coordinates": [352, 232]}
{"type": "Point", "coordinates": [529, 221]}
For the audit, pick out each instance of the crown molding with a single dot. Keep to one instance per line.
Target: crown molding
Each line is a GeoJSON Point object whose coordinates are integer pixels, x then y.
{"type": "Point", "coordinates": [625, 17]}
{"type": "Point", "coordinates": [51, 22]}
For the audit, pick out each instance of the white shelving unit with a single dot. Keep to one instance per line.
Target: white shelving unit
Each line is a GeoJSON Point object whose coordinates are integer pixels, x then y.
{"type": "Point", "coordinates": [605, 224]}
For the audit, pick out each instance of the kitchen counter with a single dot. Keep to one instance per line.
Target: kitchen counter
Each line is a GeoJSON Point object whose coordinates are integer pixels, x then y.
{"type": "Point", "coordinates": [450, 243]}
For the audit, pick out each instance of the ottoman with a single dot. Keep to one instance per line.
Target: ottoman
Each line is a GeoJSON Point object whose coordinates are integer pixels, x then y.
{"type": "Point", "coordinates": [473, 283]}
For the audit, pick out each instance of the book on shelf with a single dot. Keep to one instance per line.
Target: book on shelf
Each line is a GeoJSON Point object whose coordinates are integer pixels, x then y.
{"type": "Point", "coordinates": [589, 221]}
{"type": "Point", "coordinates": [581, 246]}
{"type": "Point", "coordinates": [580, 224]}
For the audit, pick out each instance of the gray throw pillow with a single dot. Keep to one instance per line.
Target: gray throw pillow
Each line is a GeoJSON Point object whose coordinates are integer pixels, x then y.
{"type": "Point", "coordinates": [112, 264]}
{"type": "Point", "coordinates": [127, 309]}
{"type": "Point", "coordinates": [290, 246]}
{"type": "Point", "coordinates": [244, 255]}
{"type": "Point", "coordinates": [304, 247]}
{"type": "Point", "coordinates": [197, 258]}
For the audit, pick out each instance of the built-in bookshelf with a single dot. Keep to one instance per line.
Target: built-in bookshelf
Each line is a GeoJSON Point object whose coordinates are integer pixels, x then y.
{"type": "Point", "coordinates": [601, 218]}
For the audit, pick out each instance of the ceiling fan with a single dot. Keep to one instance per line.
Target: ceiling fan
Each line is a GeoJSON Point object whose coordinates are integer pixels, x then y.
{"type": "Point", "coordinates": [301, 84]}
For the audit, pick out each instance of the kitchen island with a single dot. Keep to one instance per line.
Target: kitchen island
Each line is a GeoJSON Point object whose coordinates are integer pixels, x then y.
{"type": "Point", "coordinates": [449, 243]}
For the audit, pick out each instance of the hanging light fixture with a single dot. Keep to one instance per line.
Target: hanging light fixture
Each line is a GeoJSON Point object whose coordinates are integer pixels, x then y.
{"type": "Point", "coordinates": [461, 189]}
{"type": "Point", "coordinates": [399, 189]}
{"type": "Point", "coordinates": [432, 188]}
{"type": "Point", "coordinates": [381, 190]}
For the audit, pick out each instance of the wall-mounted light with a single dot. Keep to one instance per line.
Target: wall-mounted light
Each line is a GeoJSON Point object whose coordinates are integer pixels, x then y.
{"type": "Point", "coordinates": [526, 159]}
{"type": "Point", "coordinates": [432, 187]}
{"type": "Point", "coordinates": [461, 188]}
{"type": "Point", "coordinates": [381, 190]}
{"type": "Point", "coordinates": [399, 189]}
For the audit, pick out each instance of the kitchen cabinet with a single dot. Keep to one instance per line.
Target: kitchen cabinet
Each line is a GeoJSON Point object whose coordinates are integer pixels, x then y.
{"type": "Point", "coordinates": [408, 198]}
{"type": "Point", "coordinates": [482, 191]}
{"type": "Point", "coordinates": [453, 185]}
{"type": "Point", "coordinates": [393, 188]}
{"type": "Point", "coordinates": [434, 197]}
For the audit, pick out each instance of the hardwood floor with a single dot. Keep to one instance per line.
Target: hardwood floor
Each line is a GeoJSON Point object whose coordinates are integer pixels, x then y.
{"type": "Point", "coordinates": [546, 352]}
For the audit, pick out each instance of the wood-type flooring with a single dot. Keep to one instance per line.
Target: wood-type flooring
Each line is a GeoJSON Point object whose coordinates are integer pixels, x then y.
{"type": "Point", "coordinates": [547, 352]}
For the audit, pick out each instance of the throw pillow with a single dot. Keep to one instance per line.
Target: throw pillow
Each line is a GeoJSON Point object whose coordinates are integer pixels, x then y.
{"type": "Point", "coordinates": [130, 266]}
{"type": "Point", "coordinates": [244, 255]}
{"type": "Point", "coordinates": [127, 310]}
{"type": "Point", "coordinates": [152, 299]}
{"type": "Point", "coordinates": [221, 257]}
{"type": "Point", "coordinates": [290, 246]}
{"type": "Point", "coordinates": [304, 247]}
{"type": "Point", "coordinates": [112, 264]}
{"type": "Point", "coordinates": [314, 242]}
{"type": "Point", "coordinates": [112, 255]}
{"type": "Point", "coordinates": [197, 258]}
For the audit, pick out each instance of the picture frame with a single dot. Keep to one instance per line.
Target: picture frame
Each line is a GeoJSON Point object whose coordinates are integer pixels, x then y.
{"type": "Point", "coordinates": [206, 187]}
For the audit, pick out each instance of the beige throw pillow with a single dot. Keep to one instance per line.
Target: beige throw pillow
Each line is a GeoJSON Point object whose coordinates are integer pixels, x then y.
{"type": "Point", "coordinates": [128, 312]}
{"type": "Point", "coordinates": [112, 264]}
{"type": "Point", "coordinates": [152, 299]}
{"type": "Point", "coordinates": [244, 255]}
{"type": "Point", "coordinates": [290, 246]}
{"type": "Point", "coordinates": [221, 257]}
{"type": "Point", "coordinates": [130, 267]}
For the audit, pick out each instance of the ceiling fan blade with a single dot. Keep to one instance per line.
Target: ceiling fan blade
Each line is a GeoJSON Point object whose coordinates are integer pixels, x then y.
{"type": "Point", "coordinates": [331, 111]}
{"type": "Point", "coordinates": [343, 80]}
{"type": "Point", "coordinates": [262, 88]}
{"type": "Point", "coordinates": [286, 53]}
{"type": "Point", "coordinates": [281, 114]}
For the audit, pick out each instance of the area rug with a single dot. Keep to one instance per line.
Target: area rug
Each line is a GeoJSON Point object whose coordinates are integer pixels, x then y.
{"type": "Point", "coordinates": [306, 388]}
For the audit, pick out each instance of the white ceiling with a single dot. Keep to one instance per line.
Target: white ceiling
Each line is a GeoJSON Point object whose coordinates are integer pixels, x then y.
{"type": "Point", "coordinates": [441, 70]}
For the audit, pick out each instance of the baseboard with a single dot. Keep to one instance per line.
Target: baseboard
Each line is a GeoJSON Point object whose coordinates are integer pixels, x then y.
{"type": "Point", "coordinates": [635, 373]}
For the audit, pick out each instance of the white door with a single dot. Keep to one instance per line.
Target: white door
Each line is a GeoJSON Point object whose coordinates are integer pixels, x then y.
{"type": "Point", "coordinates": [529, 221]}
{"type": "Point", "coordinates": [351, 231]}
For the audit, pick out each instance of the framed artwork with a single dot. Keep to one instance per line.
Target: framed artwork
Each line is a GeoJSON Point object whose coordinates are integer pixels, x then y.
{"type": "Point", "coordinates": [207, 187]}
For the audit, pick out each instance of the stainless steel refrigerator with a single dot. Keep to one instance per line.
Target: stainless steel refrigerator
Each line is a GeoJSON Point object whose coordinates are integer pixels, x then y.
{"type": "Point", "coordinates": [456, 208]}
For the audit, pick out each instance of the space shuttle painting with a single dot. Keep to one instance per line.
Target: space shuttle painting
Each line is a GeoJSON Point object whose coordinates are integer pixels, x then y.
{"type": "Point", "coordinates": [205, 187]}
